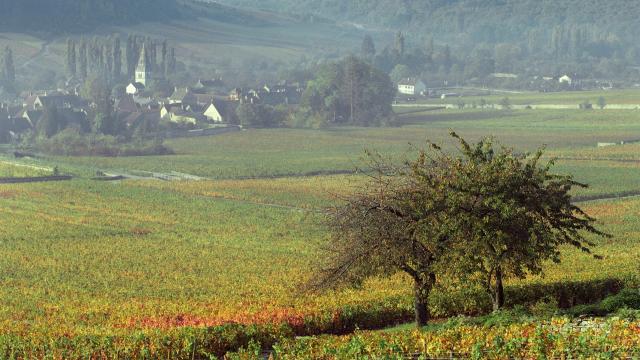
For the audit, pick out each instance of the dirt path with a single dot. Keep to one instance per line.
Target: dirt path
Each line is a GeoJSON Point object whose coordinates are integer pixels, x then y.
{"type": "Point", "coordinates": [43, 52]}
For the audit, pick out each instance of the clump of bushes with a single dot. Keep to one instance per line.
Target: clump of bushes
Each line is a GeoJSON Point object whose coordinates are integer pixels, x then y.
{"type": "Point", "coordinates": [71, 143]}
{"type": "Point", "coordinates": [627, 299]}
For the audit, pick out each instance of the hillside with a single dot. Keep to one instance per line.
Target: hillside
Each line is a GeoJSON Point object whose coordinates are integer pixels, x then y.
{"type": "Point", "coordinates": [530, 22]}
{"type": "Point", "coordinates": [209, 39]}
{"type": "Point", "coordinates": [78, 15]}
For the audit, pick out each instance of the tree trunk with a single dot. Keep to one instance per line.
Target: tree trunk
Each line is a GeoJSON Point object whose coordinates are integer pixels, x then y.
{"type": "Point", "coordinates": [422, 288]}
{"type": "Point", "coordinates": [498, 291]}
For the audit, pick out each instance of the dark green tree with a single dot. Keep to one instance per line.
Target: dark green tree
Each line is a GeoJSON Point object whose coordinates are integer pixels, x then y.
{"type": "Point", "coordinates": [117, 58]}
{"type": "Point", "coordinates": [130, 55]}
{"type": "Point", "coordinates": [71, 58]}
{"type": "Point", "coordinates": [82, 59]}
{"type": "Point", "coordinates": [164, 52]}
{"type": "Point", "coordinates": [368, 50]}
{"type": "Point", "coordinates": [50, 123]}
{"type": "Point", "coordinates": [8, 70]}
{"type": "Point", "coordinates": [350, 92]}
{"type": "Point", "coordinates": [399, 45]}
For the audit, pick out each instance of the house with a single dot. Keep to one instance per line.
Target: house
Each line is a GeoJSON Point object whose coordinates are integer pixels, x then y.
{"type": "Point", "coordinates": [166, 109]}
{"type": "Point", "coordinates": [411, 87]}
{"type": "Point", "coordinates": [180, 114]}
{"type": "Point", "coordinates": [566, 79]}
{"type": "Point", "coordinates": [244, 95]}
{"type": "Point", "coordinates": [504, 76]}
{"type": "Point", "coordinates": [33, 116]}
{"type": "Point", "coordinates": [135, 88]}
{"type": "Point", "coordinates": [208, 86]}
{"type": "Point", "coordinates": [204, 99]}
{"type": "Point", "coordinates": [147, 118]}
{"type": "Point", "coordinates": [59, 102]}
{"type": "Point", "coordinates": [280, 95]}
{"type": "Point", "coordinates": [126, 104]}
{"type": "Point", "coordinates": [221, 111]}
{"type": "Point", "coordinates": [146, 102]}
{"type": "Point", "coordinates": [183, 96]}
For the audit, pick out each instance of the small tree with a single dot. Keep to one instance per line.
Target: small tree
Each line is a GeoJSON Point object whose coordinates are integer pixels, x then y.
{"type": "Point", "coordinates": [8, 70]}
{"type": "Point", "coordinates": [602, 102]}
{"type": "Point", "coordinates": [397, 223]}
{"type": "Point", "coordinates": [586, 105]}
{"type": "Point", "coordinates": [516, 215]}
{"type": "Point", "coordinates": [368, 50]}
{"type": "Point", "coordinates": [505, 104]}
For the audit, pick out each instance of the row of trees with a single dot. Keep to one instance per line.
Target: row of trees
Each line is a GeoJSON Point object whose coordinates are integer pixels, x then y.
{"type": "Point", "coordinates": [105, 56]}
{"type": "Point", "coordinates": [571, 49]}
{"type": "Point", "coordinates": [478, 217]}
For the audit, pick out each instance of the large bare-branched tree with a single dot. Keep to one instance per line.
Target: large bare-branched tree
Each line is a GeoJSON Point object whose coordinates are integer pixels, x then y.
{"type": "Point", "coordinates": [397, 222]}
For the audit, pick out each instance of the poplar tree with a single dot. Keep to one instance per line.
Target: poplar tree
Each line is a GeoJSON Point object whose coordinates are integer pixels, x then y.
{"type": "Point", "coordinates": [8, 70]}
{"type": "Point", "coordinates": [71, 58]}
{"type": "Point", "coordinates": [117, 58]}
{"type": "Point", "coordinates": [82, 58]}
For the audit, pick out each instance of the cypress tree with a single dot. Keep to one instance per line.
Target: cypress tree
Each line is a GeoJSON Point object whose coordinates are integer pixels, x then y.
{"type": "Point", "coordinates": [117, 58]}
{"type": "Point", "coordinates": [8, 70]}
{"type": "Point", "coordinates": [82, 54]}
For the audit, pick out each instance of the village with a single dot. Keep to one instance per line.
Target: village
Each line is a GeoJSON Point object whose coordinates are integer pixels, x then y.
{"type": "Point", "coordinates": [208, 104]}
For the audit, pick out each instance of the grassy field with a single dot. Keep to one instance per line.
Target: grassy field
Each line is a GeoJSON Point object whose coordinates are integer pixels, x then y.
{"type": "Point", "coordinates": [84, 258]}
{"type": "Point", "coordinates": [11, 170]}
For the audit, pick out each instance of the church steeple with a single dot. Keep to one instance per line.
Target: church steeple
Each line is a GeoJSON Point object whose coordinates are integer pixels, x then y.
{"type": "Point", "coordinates": [143, 70]}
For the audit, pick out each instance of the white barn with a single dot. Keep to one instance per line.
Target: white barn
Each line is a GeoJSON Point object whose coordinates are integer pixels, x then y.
{"type": "Point", "coordinates": [412, 87]}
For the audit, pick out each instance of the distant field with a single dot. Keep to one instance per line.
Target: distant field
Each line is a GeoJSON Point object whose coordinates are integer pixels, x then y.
{"type": "Point", "coordinates": [626, 96]}
{"type": "Point", "coordinates": [286, 152]}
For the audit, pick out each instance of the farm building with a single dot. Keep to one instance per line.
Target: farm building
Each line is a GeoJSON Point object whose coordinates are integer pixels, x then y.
{"type": "Point", "coordinates": [135, 88]}
{"type": "Point", "coordinates": [411, 87]}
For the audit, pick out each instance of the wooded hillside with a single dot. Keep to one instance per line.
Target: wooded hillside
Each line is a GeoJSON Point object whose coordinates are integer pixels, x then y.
{"type": "Point", "coordinates": [467, 21]}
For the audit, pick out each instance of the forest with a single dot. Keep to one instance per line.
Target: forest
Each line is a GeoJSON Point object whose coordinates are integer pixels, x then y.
{"type": "Point", "coordinates": [522, 36]}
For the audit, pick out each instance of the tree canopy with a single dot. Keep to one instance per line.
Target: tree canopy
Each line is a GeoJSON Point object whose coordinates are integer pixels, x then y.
{"type": "Point", "coordinates": [350, 92]}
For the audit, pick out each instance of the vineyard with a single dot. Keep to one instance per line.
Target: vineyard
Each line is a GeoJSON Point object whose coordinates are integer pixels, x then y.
{"type": "Point", "coordinates": [558, 338]}
{"type": "Point", "coordinates": [188, 269]}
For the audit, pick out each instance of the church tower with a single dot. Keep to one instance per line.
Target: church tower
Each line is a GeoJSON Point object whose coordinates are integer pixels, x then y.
{"type": "Point", "coordinates": [143, 70]}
